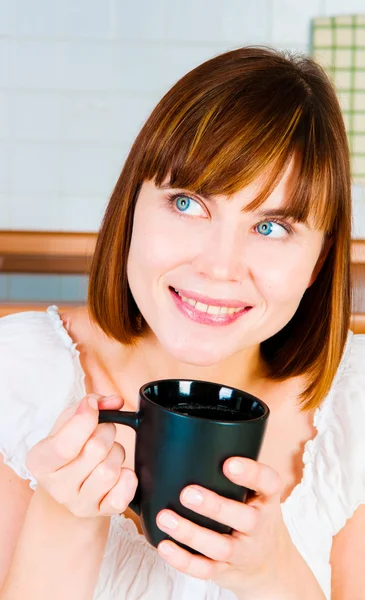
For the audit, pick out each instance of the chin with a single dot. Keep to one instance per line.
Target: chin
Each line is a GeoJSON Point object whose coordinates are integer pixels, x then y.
{"type": "Point", "coordinates": [194, 355]}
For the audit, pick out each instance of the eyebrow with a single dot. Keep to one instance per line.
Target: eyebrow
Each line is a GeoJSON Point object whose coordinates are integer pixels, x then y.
{"type": "Point", "coordinates": [281, 213]}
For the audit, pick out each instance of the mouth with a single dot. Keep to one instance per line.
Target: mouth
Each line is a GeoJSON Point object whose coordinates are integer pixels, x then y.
{"type": "Point", "coordinates": [207, 311]}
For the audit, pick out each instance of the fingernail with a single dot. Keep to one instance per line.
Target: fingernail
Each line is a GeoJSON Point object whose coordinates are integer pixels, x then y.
{"type": "Point", "coordinates": [165, 548]}
{"type": "Point", "coordinates": [192, 496]}
{"type": "Point", "coordinates": [167, 521]}
{"type": "Point", "coordinates": [93, 402]}
{"type": "Point", "coordinates": [236, 466]}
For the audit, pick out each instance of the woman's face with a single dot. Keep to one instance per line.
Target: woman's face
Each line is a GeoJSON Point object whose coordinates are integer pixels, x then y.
{"type": "Point", "coordinates": [212, 280]}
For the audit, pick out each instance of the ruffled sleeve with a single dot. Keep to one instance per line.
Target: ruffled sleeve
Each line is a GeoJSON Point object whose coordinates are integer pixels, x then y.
{"type": "Point", "coordinates": [39, 376]}
{"type": "Point", "coordinates": [340, 457]}
{"type": "Point", "coordinates": [347, 437]}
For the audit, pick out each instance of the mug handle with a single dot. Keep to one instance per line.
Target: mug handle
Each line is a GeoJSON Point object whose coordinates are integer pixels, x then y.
{"type": "Point", "coordinates": [131, 419]}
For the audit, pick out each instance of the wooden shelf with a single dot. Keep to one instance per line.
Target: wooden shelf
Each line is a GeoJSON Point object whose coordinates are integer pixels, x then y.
{"type": "Point", "coordinates": [8, 308]}
{"type": "Point", "coordinates": [358, 251]}
{"type": "Point", "coordinates": [46, 252]}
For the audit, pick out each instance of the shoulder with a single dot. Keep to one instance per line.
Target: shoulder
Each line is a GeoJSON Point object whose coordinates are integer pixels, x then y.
{"type": "Point", "coordinates": [40, 376]}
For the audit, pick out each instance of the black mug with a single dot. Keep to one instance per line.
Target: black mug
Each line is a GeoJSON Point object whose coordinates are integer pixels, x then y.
{"type": "Point", "coordinates": [186, 430]}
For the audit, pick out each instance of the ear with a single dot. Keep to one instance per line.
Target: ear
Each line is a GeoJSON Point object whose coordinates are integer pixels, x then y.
{"type": "Point", "coordinates": [327, 243]}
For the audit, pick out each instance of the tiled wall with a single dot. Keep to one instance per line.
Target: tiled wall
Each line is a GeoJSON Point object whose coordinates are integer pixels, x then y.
{"type": "Point", "coordinates": [79, 77]}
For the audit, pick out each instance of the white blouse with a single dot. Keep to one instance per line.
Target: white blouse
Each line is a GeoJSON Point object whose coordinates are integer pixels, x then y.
{"type": "Point", "coordinates": [41, 374]}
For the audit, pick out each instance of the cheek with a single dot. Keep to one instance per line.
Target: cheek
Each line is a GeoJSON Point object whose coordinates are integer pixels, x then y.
{"type": "Point", "coordinates": [155, 247]}
{"type": "Point", "coordinates": [286, 279]}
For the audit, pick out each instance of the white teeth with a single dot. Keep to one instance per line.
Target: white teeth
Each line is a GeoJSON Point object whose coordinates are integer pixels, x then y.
{"type": "Point", "coordinates": [211, 310]}
{"type": "Point", "coordinates": [202, 307]}
{"type": "Point", "coordinates": [214, 310]}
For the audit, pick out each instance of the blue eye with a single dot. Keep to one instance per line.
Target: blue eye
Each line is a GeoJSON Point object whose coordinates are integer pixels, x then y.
{"type": "Point", "coordinates": [184, 204]}
{"type": "Point", "coordinates": [266, 228]}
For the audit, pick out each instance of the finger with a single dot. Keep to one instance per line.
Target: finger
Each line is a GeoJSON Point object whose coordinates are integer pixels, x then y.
{"type": "Point", "coordinates": [65, 483]}
{"type": "Point", "coordinates": [111, 402]}
{"type": "Point", "coordinates": [238, 516]}
{"type": "Point", "coordinates": [118, 498]}
{"type": "Point", "coordinates": [70, 411]}
{"type": "Point", "coordinates": [213, 545]}
{"type": "Point", "coordinates": [182, 560]}
{"type": "Point", "coordinates": [102, 479]}
{"type": "Point", "coordinates": [60, 448]}
{"type": "Point", "coordinates": [256, 476]}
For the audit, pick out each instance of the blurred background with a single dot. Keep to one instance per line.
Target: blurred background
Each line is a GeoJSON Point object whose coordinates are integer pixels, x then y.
{"type": "Point", "coordinates": [78, 78]}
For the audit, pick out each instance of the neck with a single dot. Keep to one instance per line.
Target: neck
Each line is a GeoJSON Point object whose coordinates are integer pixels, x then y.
{"type": "Point", "coordinates": [243, 370]}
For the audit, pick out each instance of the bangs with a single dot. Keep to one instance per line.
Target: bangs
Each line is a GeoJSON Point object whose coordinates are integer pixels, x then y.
{"type": "Point", "coordinates": [221, 143]}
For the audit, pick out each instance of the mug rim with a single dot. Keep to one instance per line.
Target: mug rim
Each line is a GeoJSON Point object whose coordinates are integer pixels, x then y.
{"type": "Point", "coordinates": [220, 385]}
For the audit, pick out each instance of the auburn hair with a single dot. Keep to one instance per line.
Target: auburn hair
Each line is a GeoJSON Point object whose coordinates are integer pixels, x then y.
{"type": "Point", "coordinates": [226, 122]}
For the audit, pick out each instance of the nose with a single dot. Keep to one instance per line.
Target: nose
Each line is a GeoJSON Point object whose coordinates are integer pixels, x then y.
{"type": "Point", "coordinates": [222, 255]}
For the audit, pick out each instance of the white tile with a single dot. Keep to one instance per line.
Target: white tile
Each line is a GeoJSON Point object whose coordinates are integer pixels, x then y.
{"type": "Point", "coordinates": [90, 65]}
{"type": "Point", "coordinates": [35, 211]}
{"type": "Point", "coordinates": [5, 166]}
{"type": "Point", "coordinates": [339, 7]}
{"type": "Point", "coordinates": [36, 64]}
{"type": "Point", "coordinates": [104, 117]}
{"type": "Point", "coordinates": [35, 168]}
{"type": "Point", "coordinates": [358, 205]}
{"type": "Point", "coordinates": [4, 62]}
{"type": "Point", "coordinates": [246, 22]}
{"type": "Point", "coordinates": [233, 21]}
{"type": "Point", "coordinates": [4, 116]}
{"type": "Point", "coordinates": [292, 20]}
{"type": "Point", "coordinates": [139, 67]}
{"type": "Point", "coordinates": [143, 20]}
{"type": "Point", "coordinates": [88, 169]}
{"type": "Point", "coordinates": [35, 18]}
{"type": "Point", "coordinates": [85, 18]}
{"type": "Point", "coordinates": [5, 6]}
{"type": "Point", "coordinates": [5, 203]}
{"type": "Point", "coordinates": [34, 116]}
{"type": "Point", "coordinates": [81, 213]}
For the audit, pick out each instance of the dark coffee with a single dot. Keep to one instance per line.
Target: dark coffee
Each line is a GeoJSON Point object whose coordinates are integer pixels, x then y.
{"type": "Point", "coordinates": [217, 412]}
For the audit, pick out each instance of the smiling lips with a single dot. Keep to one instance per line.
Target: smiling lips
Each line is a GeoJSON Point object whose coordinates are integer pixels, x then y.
{"type": "Point", "coordinates": [221, 312]}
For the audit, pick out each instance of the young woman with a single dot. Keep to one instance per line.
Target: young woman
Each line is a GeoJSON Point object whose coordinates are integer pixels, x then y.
{"type": "Point", "coordinates": [223, 256]}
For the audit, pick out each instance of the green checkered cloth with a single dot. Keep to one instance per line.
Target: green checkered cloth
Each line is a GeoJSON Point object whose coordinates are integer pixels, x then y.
{"type": "Point", "coordinates": [338, 44]}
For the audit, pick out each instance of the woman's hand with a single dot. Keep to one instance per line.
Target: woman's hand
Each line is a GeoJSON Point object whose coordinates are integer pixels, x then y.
{"type": "Point", "coordinates": [80, 465]}
{"type": "Point", "coordinates": [252, 561]}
